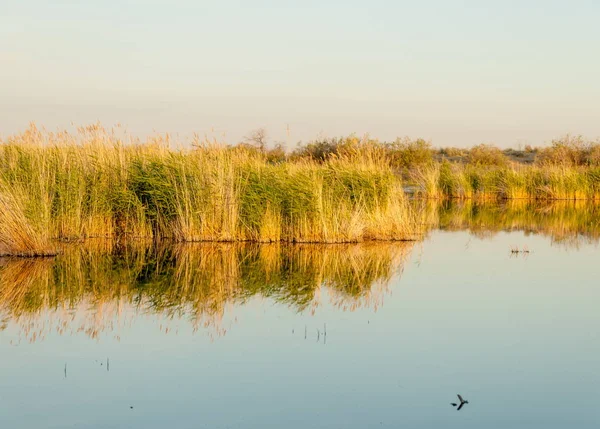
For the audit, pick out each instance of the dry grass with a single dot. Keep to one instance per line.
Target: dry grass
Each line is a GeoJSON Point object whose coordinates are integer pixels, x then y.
{"type": "Point", "coordinates": [551, 182]}
{"type": "Point", "coordinates": [97, 183]}
{"type": "Point", "coordinates": [101, 183]}
{"type": "Point", "coordinates": [17, 235]}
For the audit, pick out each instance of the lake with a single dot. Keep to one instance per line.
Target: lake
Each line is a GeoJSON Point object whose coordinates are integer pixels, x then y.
{"type": "Point", "coordinates": [497, 302]}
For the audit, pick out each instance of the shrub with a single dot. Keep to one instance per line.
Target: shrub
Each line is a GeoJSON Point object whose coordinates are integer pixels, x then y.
{"type": "Point", "coordinates": [593, 156]}
{"type": "Point", "coordinates": [453, 152]}
{"type": "Point", "coordinates": [319, 150]}
{"type": "Point", "coordinates": [567, 151]}
{"type": "Point", "coordinates": [407, 153]}
{"type": "Point", "coordinates": [276, 155]}
{"type": "Point", "coordinates": [487, 155]}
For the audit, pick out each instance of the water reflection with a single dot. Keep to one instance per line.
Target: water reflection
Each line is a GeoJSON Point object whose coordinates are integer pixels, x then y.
{"type": "Point", "coordinates": [95, 287]}
{"type": "Point", "coordinates": [569, 223]}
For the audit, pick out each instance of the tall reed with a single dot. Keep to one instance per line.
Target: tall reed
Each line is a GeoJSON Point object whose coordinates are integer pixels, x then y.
{"type": "Point", "coordinates": [452, 180]}
{"type": "Point", "coordinates": [97, 184]}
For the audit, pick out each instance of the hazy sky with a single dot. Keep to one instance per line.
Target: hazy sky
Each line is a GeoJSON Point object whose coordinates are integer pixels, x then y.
{"type": "Point", "coordinates": [455, 72]}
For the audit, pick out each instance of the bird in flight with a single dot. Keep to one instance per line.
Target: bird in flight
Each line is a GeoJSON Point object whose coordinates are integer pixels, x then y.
{"type": "Point", "coordinates": [462, 402]}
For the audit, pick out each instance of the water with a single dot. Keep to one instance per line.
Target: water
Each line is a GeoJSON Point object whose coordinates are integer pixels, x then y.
{"type": "Point", "coordinates": [357, 336]}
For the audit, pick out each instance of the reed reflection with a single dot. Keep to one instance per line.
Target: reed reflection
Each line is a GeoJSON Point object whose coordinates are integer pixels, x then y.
{"type": "Point", "coordinates": [568, 223]}
{"type": "Point", "coordinates": [101, 285]}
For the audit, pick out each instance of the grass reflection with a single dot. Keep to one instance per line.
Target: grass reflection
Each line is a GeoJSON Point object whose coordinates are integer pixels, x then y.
{"type": "Point", "coordinates": [93, 287]}
{"type": "Point", "coordinates": [565, 222]}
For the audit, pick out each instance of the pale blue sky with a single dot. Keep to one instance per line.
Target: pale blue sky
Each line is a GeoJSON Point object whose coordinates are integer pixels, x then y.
{"type": "Point", "coordinates": [456, 72]}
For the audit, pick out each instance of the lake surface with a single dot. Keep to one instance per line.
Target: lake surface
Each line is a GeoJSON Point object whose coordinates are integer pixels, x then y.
{"type": "Point", "coordinates": [342, 336]}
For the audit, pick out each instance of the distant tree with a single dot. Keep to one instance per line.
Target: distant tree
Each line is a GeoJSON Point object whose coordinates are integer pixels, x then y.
{"type": "Point", "coordinates": [257, 138]}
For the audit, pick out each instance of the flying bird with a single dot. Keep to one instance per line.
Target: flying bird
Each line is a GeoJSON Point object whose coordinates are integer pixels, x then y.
{"type": "Point", "coordinates": [462, 402]}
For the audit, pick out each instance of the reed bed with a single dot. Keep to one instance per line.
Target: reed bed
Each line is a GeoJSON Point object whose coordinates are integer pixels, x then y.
{"type": "Point", "coordinates": [96, 184]}
{"type": "Point", "coordinates": [567, 170]}
{"type": "Point", "coordinates": [101, 183]}
{"type": "Point", "coordinates": [550, 182]}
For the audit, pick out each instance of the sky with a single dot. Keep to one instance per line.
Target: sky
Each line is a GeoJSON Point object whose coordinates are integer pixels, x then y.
{"type": "Point", "coordinates": [457, 73]}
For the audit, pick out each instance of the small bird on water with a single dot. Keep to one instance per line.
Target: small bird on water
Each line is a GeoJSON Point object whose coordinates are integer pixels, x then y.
{"type": "Point", "coordinates": [462, 402]}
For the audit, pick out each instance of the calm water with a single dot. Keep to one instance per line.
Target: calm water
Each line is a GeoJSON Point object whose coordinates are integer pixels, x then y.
{"type": "Point", "coordinates": [310, 337]}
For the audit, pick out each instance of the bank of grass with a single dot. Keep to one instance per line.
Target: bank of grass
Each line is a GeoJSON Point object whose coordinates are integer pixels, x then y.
{"type": "Point", "coordinates": [483, 182]}
{"type": "Point", "coordinates": [99, 183]}
{"type": "Point", "coordinates": [569, 169]}
{"type": "Point", "coordinates": [94, 184]}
